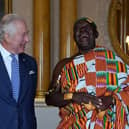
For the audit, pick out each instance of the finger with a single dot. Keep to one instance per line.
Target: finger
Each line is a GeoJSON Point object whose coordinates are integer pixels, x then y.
{"type": "Point", "coordinates": [100, 108]}
{"type": "Point", "coordinates": [95, 98]}
{"type": "Point", "coordinates": [97, 102]}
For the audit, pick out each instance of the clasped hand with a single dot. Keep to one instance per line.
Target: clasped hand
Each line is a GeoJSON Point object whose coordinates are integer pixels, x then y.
{"type": "Point", "coordinates": [101, 103]}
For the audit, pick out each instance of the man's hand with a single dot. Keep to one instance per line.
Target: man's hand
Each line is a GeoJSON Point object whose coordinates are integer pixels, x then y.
{"type": "Point", "coordinates": [82, 97]}
{"type": "Point", "coordinates": [106, 102]}
{"type": "Point", "coordinates": [101, 103]}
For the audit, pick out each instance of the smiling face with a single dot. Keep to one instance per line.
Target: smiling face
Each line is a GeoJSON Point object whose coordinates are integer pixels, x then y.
{"type": "Point", "coordinates": [84, 36]}
{"type": "Point", "coordinates": [15, 42]}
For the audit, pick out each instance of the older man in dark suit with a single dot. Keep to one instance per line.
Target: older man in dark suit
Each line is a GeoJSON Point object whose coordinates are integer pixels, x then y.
{"type": "Point", "coordinates": [18, 76]}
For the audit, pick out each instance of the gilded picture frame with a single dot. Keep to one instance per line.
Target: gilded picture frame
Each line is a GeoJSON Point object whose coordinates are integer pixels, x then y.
{"type": "Point", "coordinates": [115, 7]}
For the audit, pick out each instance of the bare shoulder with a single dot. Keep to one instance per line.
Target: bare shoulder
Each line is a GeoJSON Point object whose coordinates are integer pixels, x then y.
{"type": "Point", "coordinates": [56, 74]}
{"type": "Point", "coordinates": [60, 65]}
{"type": "Point", "coordinates": [55, 82]}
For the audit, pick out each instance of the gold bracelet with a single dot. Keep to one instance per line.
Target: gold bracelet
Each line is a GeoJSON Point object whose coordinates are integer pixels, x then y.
{"type": "Point", "coordinates": [68, 96]}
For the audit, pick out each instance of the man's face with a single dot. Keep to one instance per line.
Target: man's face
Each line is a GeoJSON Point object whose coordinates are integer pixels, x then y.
{"type": "Point", "coordinates": [84, 36]}
{"type": "Point", "coordinates": [15, 43]}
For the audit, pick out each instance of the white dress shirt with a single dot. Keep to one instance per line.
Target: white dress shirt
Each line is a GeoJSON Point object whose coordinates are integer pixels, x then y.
{"type": "Point", "coordinates": [7, 59]}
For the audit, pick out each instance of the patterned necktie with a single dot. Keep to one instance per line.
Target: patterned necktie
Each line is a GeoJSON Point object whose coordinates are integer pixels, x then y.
{"type": "Point", "coordinates": [15, 79]}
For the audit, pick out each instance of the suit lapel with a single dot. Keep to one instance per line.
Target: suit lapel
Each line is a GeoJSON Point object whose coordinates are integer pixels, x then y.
{"type": "Point", "coordinates": [23, 76]}
{"type": "Point", "coordinates": [5, 83]}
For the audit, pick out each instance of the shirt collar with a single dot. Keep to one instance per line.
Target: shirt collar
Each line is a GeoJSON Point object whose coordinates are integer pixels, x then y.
{"type": "Point", "coordinates": [5, 53]}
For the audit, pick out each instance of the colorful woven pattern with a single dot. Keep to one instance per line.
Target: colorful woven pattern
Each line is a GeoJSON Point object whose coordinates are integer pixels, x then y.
{"type": "Point", "coordinates": [98, 72]}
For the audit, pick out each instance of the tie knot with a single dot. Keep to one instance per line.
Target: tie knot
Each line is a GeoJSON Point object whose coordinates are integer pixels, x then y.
{"type": "Point", "coordinates": [13, 56]}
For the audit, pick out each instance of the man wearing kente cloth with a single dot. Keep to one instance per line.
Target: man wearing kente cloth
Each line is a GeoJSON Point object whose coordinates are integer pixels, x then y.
{"type": "Point", "coordinates": [91, 88]}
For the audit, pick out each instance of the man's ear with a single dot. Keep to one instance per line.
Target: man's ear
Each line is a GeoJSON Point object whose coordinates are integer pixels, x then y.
{"type": "Point", "coordinates": [96, 33]}
{"type": "Point", "coordinates": [6, 37]}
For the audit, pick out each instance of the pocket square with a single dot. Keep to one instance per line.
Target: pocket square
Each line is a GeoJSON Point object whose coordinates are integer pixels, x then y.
{"type": "Point", "coordinates": [31, 72]}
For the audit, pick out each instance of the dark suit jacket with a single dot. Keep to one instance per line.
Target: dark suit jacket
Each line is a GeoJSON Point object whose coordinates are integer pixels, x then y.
{"type": "Point", "coordinates": [21, 114]}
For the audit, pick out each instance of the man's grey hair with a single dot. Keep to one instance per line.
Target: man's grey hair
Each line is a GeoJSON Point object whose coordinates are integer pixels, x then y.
{"type": "Point", "coordinates": [8, 24]}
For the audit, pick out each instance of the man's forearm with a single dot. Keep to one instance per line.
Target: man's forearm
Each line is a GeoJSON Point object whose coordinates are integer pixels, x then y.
{"type": "Point", "coordinates": [58, 99]}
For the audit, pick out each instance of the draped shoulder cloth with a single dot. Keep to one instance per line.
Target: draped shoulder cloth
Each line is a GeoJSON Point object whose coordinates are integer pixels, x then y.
{"type": "Point", "coordinates": [98, 72]}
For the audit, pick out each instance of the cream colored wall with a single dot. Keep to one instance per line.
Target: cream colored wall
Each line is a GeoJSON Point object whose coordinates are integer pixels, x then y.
{"type": "Point", "coordinates": [96, 9]}
{"type": "Point", "coordinates": [24, 8]}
